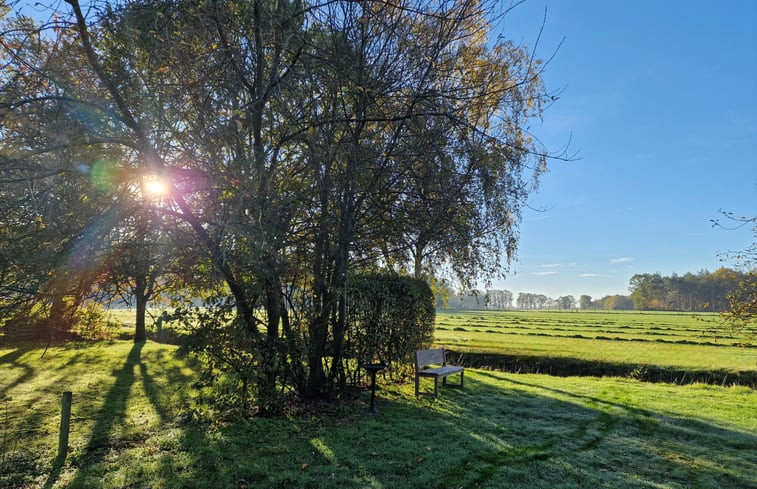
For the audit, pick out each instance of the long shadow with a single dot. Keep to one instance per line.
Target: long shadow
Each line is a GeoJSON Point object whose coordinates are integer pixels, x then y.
{"type": "Point", "coordinates": [503, 437]}
{"type": "Point", "coordinates": [113, 410]}
{"type": "Point", "coordinates": [487, 435]}
{"type": "Point", "coordinates": [11, 358]}
{"type": "Point", "coordinates": [484, 436]}
{"type": "Point", "coordinates": [153, 390]}
{"type": "Point", "coordinates": [627, 407]}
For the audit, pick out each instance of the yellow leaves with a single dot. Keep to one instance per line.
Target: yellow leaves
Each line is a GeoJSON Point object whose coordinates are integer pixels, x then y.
{"type": "Point", "coordinates": [421, 458]}
{"type": "Point", "coordinates": [163, 69]}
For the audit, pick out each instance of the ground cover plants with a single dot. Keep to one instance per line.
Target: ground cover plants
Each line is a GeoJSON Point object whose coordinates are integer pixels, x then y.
{"type": "Point", "coordinates": [140, 419]}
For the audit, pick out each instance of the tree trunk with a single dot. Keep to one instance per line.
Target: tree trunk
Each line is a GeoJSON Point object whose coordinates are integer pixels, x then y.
{"type": "Point", "coordinates": [418, 253]}
{"type": "Point", "coordinates": [140, 333]}
{"type": "Point", "coordinates": [340, 286]}
{"type": "Point", "coordinates": [268, 399]}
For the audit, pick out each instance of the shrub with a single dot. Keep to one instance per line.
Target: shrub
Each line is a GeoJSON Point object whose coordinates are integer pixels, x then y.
{"type": "Point", "coordinates": [227, 359]}
{"type": "Point", "coordinates": [91, 322]}
{"type": "Point", "coordinates": [389, 317]}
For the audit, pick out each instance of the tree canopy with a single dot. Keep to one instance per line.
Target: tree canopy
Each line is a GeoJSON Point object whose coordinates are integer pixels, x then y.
{"type": "Point", "coordinates": [298, 142]}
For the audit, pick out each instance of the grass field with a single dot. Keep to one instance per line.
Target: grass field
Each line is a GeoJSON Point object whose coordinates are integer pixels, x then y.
{"type": "Point", "coordinates": [131, 430]}
{"type": "Point", "coordinates": [678, 341]}
{"type": "Point", "coordinates": [134, 425]}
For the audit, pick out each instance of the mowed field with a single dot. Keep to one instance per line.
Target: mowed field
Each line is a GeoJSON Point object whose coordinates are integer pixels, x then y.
{"type": "Point", "coordinates": [683, 342]}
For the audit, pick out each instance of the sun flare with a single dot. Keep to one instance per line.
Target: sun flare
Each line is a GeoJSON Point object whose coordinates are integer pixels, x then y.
{"type": "Point", "coordinates": [154, 187]}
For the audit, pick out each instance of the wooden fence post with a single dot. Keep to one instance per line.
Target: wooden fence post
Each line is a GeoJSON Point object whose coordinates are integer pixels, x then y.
{"type": "Point", "coordinates": [65, 424]}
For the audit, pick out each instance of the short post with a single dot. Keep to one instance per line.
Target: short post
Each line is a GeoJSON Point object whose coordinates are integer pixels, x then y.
{"type": "Point", "coordinates": [373, 368]}
{"type": "Point", "coordinates": [65, 424]}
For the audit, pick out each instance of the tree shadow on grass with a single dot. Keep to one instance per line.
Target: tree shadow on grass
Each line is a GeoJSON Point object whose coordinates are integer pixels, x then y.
{"type": "Point", "coordinates": [487, 435]}
{"type": "Point", "coordinates": [112, 413]}
{"type": "Point", "coordinates": [608, 443]}
{"type": "Point", "coordinates": [498, 432]}
{"type": "Point", "coordinates": [10, 359]}
{"type": "Point", "coordinates": [113, 410]}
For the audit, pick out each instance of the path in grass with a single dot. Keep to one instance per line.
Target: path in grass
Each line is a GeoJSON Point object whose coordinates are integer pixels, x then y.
{"type": "Point", "coordinates": [503, 430]}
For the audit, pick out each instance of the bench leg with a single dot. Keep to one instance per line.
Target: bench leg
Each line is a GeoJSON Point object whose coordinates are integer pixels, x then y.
{"type": "Point", "coordinates": [417, 385]}
{"type": "Point", "coordinates": [436, 386]}
{"type": "Point", "coordinates": [462, 380]}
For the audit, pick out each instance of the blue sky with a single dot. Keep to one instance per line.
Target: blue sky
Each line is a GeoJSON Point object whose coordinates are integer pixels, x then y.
{"type": "Point", "coordinates": [660, 101]}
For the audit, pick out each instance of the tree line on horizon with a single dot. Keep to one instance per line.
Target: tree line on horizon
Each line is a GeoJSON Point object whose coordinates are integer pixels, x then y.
{"type": "Point", "coordinates": [702, 291]}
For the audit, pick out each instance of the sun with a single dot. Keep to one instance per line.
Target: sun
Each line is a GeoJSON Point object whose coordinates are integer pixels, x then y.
{"type": "Point", "coordinates": [154, 187]}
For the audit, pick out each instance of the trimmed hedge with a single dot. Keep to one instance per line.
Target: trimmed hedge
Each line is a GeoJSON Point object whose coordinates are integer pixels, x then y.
{"type": "Point", "coordinates": [388, 318]}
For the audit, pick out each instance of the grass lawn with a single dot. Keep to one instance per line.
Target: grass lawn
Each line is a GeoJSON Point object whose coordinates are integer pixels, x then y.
{"type": "Point", "coordinates": [130, 430]}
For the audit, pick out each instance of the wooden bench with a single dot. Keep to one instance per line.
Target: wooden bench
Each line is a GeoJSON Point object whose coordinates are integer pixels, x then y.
{"type": "Point", "coordinates": [424, 358]}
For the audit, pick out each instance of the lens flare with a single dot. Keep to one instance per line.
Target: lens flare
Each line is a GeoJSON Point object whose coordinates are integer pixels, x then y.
{"type": "Point", "coordinates": [154, 187]}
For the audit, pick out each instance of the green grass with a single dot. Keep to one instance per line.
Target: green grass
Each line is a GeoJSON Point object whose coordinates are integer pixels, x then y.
{"type": "Point", "coordinates": [130, 430]}
{"type": "Point", "coordinates": [683, 341]}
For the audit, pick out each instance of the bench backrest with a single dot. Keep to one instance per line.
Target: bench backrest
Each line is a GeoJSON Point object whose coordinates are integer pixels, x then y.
{"type": "Point", "coordinates": [429, 357]}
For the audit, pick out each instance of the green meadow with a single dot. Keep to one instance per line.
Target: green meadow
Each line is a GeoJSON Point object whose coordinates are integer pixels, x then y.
{"type": "Point", "coordinates": [681, 343]}
{"type": "Point", "coordinates": [139, 420]}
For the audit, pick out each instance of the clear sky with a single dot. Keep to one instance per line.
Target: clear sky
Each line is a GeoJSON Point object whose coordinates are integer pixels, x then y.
{"type": "Point", "coordinates": [660, 101]}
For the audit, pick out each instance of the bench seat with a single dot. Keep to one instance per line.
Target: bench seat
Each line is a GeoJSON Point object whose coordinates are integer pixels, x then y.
{"type": "Point", "coordinates": [440, 371]}
{"type": "Point", "coordinates": [424, 358]}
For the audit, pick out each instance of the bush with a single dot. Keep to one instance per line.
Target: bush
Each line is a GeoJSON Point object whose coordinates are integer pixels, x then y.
{"type": "Point", "coordinates": [227, 358]}
{"type": "Point", "coordinates": [389, 317]}
{"type": "Point", "coordinates": [91, 322]}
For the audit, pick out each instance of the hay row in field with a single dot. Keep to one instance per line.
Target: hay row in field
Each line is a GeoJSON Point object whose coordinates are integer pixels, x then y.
{"type": "Point", "coordinates": [575, 367]}
{"type": "Point", "coordinates": [577, 335]}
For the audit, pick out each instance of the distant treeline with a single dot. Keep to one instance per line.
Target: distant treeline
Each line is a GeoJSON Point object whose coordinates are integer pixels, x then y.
{"type": "Point", "coordinates": [703, 291]}
{"type": "Point", "coordinates": [499, 299]}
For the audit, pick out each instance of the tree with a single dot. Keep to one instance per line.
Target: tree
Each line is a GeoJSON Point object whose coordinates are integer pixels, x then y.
{"type": "Point", "coordinates": [689, 292]}
{"type": "Point", "coordinates": [523, 301]}
{"type": "Point", "coordinates": [566, 302]}
{"type": "Point", "coordinates": [499, 299]}
{"type": "Point", "coordinates": [290, 136]}
{"type": "Point", "coordinates": [647, 291]}
{"type": "Point", "coordinates": [585, 302]}
{"type": "Point", "coordinates": [55, 213]}
{"type": "Point", "coordinates": [617, 302]}
{"type": "Point", "coordinates": [741, 315]}
{"type": "Point", "coordinates": [143, 262]}
{"type": "Point", "coordinates": [741, 312]}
